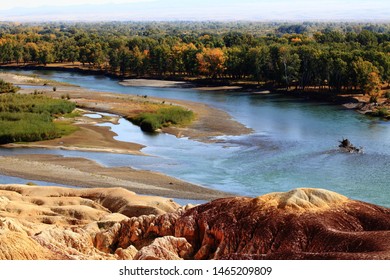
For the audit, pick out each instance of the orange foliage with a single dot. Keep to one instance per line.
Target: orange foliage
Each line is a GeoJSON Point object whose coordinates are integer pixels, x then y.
{"type": "Point", "coordinates": [296, 40]}
{"type": "Point", "coordinates": [211, 61]}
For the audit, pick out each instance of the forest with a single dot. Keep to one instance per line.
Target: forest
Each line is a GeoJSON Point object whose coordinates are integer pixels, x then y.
{"type": "Point", "coordinates": [330, 57]}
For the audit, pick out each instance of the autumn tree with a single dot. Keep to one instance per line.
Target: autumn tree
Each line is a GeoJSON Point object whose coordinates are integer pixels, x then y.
{"type": "Point", "coordinates": [190, 61]}
{"type": "Point", "coordinates": [30, 52]}
{"type": "Point", "coordinates": [339, 55]}
{"type": "Point", "coordinates": [365, 75]}
{"type": "Point", "coordinates": [373, 86]}
{"type": "Point", "coordinates": [138, 61]}
{"type": "Point", "coordinates": [211, 62]}
{"type": "Point", "coordinates": [6, 50]}
{"type": "Point", "coordinates": [45, 53]}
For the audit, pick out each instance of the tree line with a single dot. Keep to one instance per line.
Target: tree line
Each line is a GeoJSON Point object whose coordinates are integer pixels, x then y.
{"type": "Point", "coordinates": [332, 57]}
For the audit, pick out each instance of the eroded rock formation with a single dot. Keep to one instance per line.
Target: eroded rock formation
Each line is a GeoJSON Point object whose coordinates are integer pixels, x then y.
{"type": "Point", "coordinates": [91, 224]}
{"type": "Point", "coordinates": [300, 224]}
{"type": "Point", "coordinates": [62, 223]}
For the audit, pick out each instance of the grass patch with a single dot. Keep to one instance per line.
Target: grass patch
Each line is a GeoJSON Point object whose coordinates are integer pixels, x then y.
{"type": "Point", "coordinates": [382, 113]}
{"type": "Point", "coordinates": [174, 115]}
{"type": "Point", "coordinates": [28, 118]}
{"type": "Point", "coordinates": [7, 87]}
{"type": "Point", "coordinates": [65, 127]}
{"type": "Point", "coordinates": [72, 115]}
{"type": "Point", "coordinates": [34, 103]}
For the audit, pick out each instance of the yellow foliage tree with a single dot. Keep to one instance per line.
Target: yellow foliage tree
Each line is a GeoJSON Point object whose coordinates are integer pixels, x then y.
{"type": "Point", "coordinates": [211, 62]}
{"type": "Point", "coordinates": [373, 85]}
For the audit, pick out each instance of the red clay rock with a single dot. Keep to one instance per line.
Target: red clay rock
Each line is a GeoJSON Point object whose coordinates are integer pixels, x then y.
{"type": "Point", "coordinates": [301, 224]}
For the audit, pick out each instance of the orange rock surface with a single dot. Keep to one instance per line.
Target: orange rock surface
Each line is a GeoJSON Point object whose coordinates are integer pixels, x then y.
{"type": "Point", "coordinates": [60, 223]}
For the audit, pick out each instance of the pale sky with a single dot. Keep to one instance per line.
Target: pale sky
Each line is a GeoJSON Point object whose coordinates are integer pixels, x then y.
{"type": "Point", "coordinates": [375, 10]}
{"type": "Point", "coordinates": [9, 4]}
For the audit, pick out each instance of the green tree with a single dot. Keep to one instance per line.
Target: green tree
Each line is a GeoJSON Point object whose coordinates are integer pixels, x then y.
{"type": "Point", "coordinates": [190, 61]}
{"type": "Point", "coordinates": [259, 62]}
{"type": "Point", "coordinates": [236, 62]}
{"type": "Point", "coordinates": [363, 74]}
{"type": "Point", "coordinates": [286, 65]}
{"type": "Point", "coordinates": [45, 53]}
{"type": "Point", "coordinates": [337, 73]}
{"type": "Point", "coordinates": [309, 70]}
{"type": "Point", "coordinates": [31, 52]}
{"type": "Point", "coordinates": [138, 61]}
{"type": "Point", "coordinates": [159, 57]}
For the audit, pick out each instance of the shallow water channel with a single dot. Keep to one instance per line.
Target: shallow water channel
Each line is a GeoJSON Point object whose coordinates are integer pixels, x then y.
{"type": "Point", "coordinates": [294, 144]}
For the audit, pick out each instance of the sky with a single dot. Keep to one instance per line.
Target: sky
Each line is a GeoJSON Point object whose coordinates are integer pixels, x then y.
{"type": "Point", "coordinates": [262, 10]}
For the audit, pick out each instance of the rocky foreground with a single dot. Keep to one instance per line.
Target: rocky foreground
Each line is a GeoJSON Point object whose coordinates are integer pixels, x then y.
{"type": "Point", "coordinates": [62, 223]}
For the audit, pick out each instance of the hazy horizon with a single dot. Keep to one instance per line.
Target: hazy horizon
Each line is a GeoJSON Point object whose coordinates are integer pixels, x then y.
{"type": "Point", "coordinates": [175, 10]}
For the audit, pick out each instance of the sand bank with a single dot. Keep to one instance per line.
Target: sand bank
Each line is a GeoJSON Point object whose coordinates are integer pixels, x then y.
{"type": "Point", "coordinates": [153, 83]}
{"type": "Point", "coordinates": [86, 173]}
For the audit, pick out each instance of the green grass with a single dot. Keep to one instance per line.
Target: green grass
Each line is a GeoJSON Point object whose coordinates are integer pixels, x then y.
{"type": "Point", "coordinates": [174, 115]}
{"type": "Point", "coordinates": [28, 118]}
{"type": "Point", "coordinates": [65, 128]}
{"type": "Point", "coordinates": [34, 103]}
{"type": "Point", "coordinates": [72, 115]}
{"type": "Point", "coordinates": [7, 87]}
{"type": "Point", "coordinates": [382, 113]}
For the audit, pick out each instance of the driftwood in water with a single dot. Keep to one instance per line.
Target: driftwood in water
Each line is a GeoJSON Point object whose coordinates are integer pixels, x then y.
{"type": "Point", "coordinates": [347, 146]}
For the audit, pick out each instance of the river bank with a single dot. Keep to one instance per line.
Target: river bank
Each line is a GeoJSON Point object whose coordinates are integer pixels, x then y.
{"type": "Point", "coordinates": [349, 100]}
{"type": "Point", "coordinates": [209, 123]}
{"type": "Point", "coordinates": [88, 174]}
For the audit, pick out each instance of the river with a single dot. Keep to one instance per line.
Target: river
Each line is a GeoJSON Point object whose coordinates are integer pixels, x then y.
{"type": "Point", "coordinates": [294, 144]}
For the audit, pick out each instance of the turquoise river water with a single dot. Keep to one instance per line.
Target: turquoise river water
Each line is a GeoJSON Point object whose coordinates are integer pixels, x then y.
{"type": "Point", "coordinates": [294, 144]}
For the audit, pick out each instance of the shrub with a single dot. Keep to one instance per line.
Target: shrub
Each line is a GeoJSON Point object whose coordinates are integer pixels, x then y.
{"type": "Point", "coordinates": [382, 113]}
{"type": "Point", "coordinates": [387, 94]}
{"type": "Point", "coordinates": [7, 87]}
{"type": "Point", "coordinates": [373, 99]}
{"type": "Point", "coordinates": [150, 122]}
